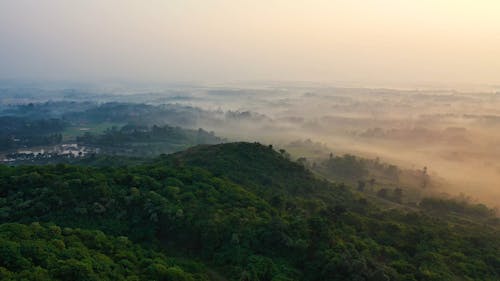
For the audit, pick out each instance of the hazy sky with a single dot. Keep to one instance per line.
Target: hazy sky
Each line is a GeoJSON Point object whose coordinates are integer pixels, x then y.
{"type": "Point", "coordinates": [222, 40]}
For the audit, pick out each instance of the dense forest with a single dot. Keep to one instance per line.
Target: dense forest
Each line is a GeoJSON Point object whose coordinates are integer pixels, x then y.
{"type": "Point", "coordinates": [249, 140]}
{"type": "Point", "coordinates": [235, 211]}
{"type": "Point", "coordinates": [48, 252]}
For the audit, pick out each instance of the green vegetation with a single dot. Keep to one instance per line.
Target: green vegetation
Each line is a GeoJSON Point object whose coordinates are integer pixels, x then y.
{"type": "Point", "coordinates": [141, 114]}
{"type": "Point", "coordinates": [243, 210]}
{"type": "Point", "coordinates": [458, 206]}
{"type": "Point", "coordinates": [351, 169]}
{"type": "Point", "coordinates": [49, 252]}
{"type": "Point", "coordinates": [134, 140]}
{"type": "Point", "coordinates": [45, 131]}
{"type": "Point", "coordinates": [18, 132]}
{"type": "Point", "coordinates": [346, 167]}
{"type": "Point", "coordinates": [72, 132]}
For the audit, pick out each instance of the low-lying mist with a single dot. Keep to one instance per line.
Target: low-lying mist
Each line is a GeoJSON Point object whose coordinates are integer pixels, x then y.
{"type": "Point", "coordinates": [454, 134]}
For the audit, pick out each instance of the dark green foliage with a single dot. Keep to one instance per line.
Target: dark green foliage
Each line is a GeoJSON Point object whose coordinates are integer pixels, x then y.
{"type": "Point", "coordinates": [243, 210]}
{"type": "Point", "coordinates": [17, 132]}
{"type": "Point", "coordinates": [47, 124]}
{"type": "Point", "coordinates": [134, 140]}
{"type": "Point", "coordinates": [444, 206]}
{"type": "Point", "coordinates": [49, 252]}
{"type": "Point", "coordinates": [135, 113]}
{"type": "Point", "coordinates": [354, 170]}
{"type": "Point", "coordinates": [347, 167]}
{"type": "Point", "coordinates": [264, 171]}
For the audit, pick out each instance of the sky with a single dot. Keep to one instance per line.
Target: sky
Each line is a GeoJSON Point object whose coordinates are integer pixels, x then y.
{"type": "Point", "coordinates": [370, 41]}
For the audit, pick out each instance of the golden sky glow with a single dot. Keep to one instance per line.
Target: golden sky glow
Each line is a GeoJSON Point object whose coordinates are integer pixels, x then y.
{"type": "Point", "coordinates": [217, 40]}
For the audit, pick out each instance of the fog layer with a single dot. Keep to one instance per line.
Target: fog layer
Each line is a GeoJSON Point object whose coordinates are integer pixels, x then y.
{"type": "Point", "coordinates": [454, 134]}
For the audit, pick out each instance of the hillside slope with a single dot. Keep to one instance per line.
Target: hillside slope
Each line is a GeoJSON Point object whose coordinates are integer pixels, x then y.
{"type": "Point", "coordinates": [248, 213]}
{"type": "Point", "coordinates": [261, 170]}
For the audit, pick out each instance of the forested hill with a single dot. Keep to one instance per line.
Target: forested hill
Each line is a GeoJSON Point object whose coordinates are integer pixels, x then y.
{"type": "Point", "coordinates": [260, 168]}
{"type": "Point", "coordinates": [237, 211]}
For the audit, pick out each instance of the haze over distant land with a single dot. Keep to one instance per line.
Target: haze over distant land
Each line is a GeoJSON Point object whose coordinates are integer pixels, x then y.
{"type": "Point", "coordinates": [414, 82]}
{"type": "Point", "coordinates": [453, 133]}
{"type": "Point", "coordinates": [372, 43]}
{"type": "Point", "coordinates": [245, 140]}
